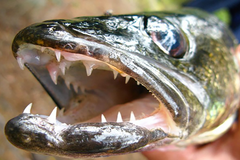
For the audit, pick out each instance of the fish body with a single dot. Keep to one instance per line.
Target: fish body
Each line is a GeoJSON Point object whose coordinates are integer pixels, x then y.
{"type": "Point", "coordinates": [176, 77]}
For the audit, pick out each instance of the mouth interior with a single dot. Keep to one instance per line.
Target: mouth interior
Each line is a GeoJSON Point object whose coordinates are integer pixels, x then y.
{"type": "Point", "coordinates": [100, 92]}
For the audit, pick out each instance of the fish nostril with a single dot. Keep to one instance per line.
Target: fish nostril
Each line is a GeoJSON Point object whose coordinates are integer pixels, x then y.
{"type": "Point", "coordinates": [26, 138]}
{"type": "Point", "coordinates": [70, 46]}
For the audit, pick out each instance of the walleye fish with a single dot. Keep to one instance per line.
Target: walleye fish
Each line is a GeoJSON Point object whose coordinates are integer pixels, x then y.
{"type": "Point", "coordinates": [128, 83]}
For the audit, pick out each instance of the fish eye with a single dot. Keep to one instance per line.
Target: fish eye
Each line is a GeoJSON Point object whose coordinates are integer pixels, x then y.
{"type": "Point", "coordinates": [168, 38]}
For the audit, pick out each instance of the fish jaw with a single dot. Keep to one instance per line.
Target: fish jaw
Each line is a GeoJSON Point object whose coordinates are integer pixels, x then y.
{"type": "Point", "coordinates": [178, 86]}
{"type": "Point", "coordinates": [81, 140]}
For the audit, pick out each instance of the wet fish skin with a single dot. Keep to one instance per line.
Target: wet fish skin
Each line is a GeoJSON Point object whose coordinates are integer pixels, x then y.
{"type": "Point", "coordinates": [74, 140]}
{"type": "Point", "coordinates": [200, 88]}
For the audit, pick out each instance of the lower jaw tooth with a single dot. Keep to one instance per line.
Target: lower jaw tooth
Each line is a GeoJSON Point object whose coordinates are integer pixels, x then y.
{"type": "Point", "coordinates": [53, 115]}
{"type": "Point", "coordinates": [132, 117]}
{"type": "Point", "coordinates": [28, 108]}
{"type": "Point", "coordinates": [119, 117]}
{"type": "Point", "coordinates": [103, 119]}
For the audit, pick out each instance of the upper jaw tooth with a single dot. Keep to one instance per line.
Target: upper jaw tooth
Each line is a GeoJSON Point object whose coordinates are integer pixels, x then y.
{"type": "Point", "coordinates": [58, 55]}
{"type": "Point", "coordinates": [127, 79]}
{"type": "Point", "coordinates": [115, 74]}
{"type": "Point", "coordinates": [89, 67]}
{"type": "Point", "coordinates": [53, 70]}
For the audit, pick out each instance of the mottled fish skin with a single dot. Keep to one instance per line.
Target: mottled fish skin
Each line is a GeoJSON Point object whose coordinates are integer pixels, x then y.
{"type": "Point", "coordinates": [87, 140]}
{"type": "Point", "coordinates": [198, 83]}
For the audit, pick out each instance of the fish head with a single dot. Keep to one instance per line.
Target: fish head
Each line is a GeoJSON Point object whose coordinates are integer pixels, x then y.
{"type": "Point", "coordinates": [174, 57]}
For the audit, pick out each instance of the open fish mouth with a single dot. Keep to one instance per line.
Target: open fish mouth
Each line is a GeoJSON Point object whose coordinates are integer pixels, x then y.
{"type": "Point", "coordinates": [127, 83]}
{"type": "Point", "coordinates": [95, 91]}
{"type": "Point", "coordinates": [94, 97]}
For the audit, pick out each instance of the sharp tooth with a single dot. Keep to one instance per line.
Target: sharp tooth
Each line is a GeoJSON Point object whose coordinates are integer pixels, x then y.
{"type": "Point", "coordinates": [138, 83]}
{"type": "Point", "coordinates": [28, 108]}
{"type": "Point", "coordinates": [89, 67]}
{"type": "Point", "coordinates": [62, 66]}
{"type": "Point", "coordinates": [20, 62]}
{"type": "Point", "coordinates": [53, 71]}
{"type": "Point", "coordinates": [58, 55]}
{"type": "Point", "coordinates": [132, 117]}
{"type": "Point", "coordinates": [103, 119]}
{"type": "Point", "coordinates": [115, 74]}
{"type": "Point", "coordinates": [119, 117]}
{"type": "Point", "coordinates": [54, 76]}
{"type": "Point", "coordinates": [127, 79]}
{"type": "Point", "coordinates": [53, 115]}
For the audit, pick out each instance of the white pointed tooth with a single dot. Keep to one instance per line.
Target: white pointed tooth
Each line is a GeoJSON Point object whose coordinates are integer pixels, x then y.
{"type": "Point", "coordinates": [89, 67]}
{"type": "Point", "coordinates": [20, 62]}
{"type": "Point", "coordinates": [58, 55]}
{"type": "Point", "coordinates": [132, 117]}
{"type": "Point", "coordinates": [53, 71]}
{"type": "Point", "coordinates": [28, 108]}
{"type": "Point", "coordinates": [103, 119]}
{"type": "Point", "coordinates": [53, 115]}
{"type": "Point", "coordinates": [119, 117]}
{"type": "Point", "coordinates": [138, 83]}
{"type": "Point", "coordinates": [54, 76]}
{"type": "Point", "coordinates": [127, 79]}
{"type": "Point", "coordinates": [62, 66]}
{"type": "Point", "coordinates": [115, 74]}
